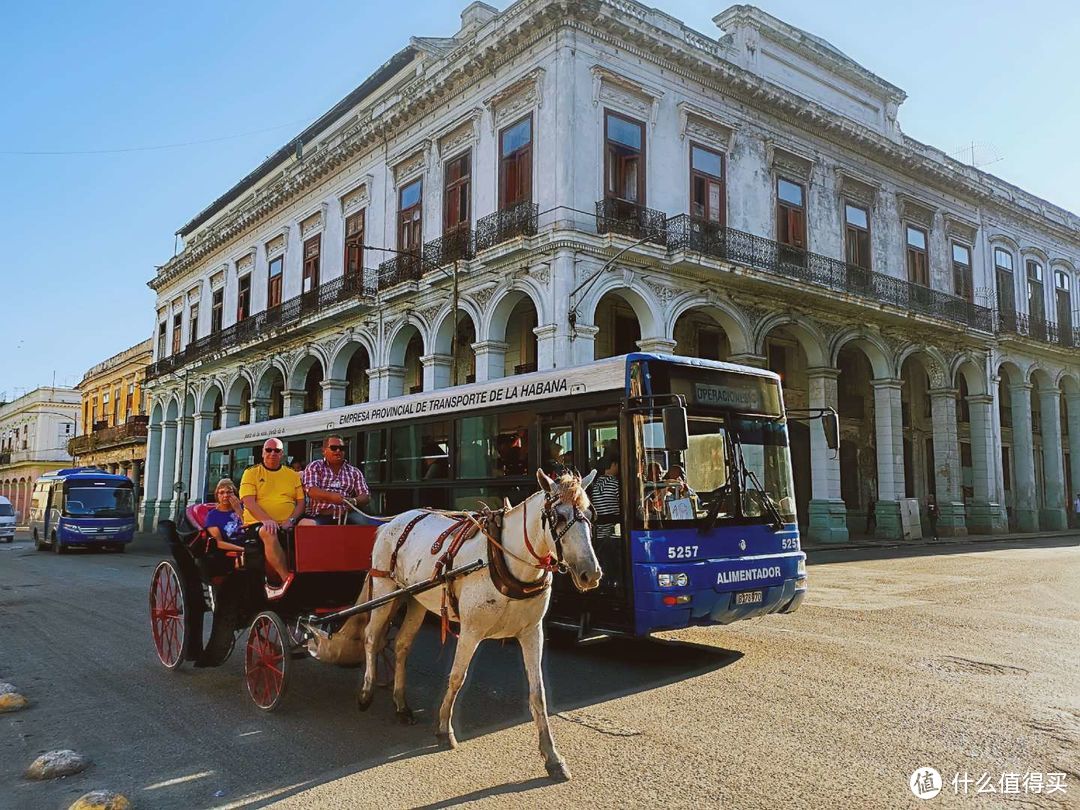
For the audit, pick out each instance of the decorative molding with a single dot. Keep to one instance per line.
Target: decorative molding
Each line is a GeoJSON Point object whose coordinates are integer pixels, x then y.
{"type": "Point", "coordinates": [217, 280]}
{"type": "Point", "coordinates": [314, 223]}
{"type": "Point", "coordinates": [246, 262]}
{"type": "Point", "coordinates": [482, 295]}
{"type": "Point", "coordinates": [459, 134]}
{"type": "Point", "coordinates": [357, 197]}
{"type": "Point", "coordinates": [915, 210]}
{"type": "Point", "coordinates": [277, 245]}
{"type": "Point", "coordinates": [704, 127]}
{"type": "Point", "coordinates": [625, 93]}
{"type": "Point", "coordinates": [509, 103]}
{"type": "Point", "coordinates": [407, 167]}
{"type": "Point", "coordinates": [857, 188]}
{"type": "Point", "coordinates": [664, 293]}
{"type": "Point", "coordinates": [428, 313]}
{"type": "Point", "coordinates": [789, 162]}
{"type": "Point", "coordinates": [961, 229]}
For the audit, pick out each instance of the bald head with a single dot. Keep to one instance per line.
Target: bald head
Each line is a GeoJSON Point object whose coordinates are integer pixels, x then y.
{"type": "Point", "coordinates": [272, 453]}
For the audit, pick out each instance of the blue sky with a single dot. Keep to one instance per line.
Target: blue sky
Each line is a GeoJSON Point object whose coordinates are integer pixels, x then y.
{"type": "Point", "coordinates": [80, 234]}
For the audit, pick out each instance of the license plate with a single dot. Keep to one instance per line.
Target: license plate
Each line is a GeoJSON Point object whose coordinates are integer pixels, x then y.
{"type": "Point", "coordinates": [749, 597]}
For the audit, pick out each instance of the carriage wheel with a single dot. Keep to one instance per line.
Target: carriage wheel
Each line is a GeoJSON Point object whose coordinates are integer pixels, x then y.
{"type": "Point", "coordinates": [168, 615]}
{"type": "Point", "coordinates": [266, 663]}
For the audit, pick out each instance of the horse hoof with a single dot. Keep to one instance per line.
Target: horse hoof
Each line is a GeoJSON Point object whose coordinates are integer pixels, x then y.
{"type": "Point", "coordinates": [559, 771]}
{"type": "Point", "coordinates": [447, 741]}
{"type": "Point", "coordinates": [405, 717]}
{"type": "Point", "coordinates": [363, 702]}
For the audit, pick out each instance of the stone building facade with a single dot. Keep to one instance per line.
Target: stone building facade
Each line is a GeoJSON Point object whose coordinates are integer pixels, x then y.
{"type": "Point", "coordinates": [34, 432]}
{"type": "Point", "coordinates": [595, 177]}
{"type": "Point", "coordinates": [113, 414]}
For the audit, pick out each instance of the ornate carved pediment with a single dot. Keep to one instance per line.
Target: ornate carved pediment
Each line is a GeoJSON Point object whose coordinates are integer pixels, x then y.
{"type": "Point", "coordinates": [217, 281]}
{"type": "Point", "coordinates": [916, 211]}
{"type": "Point", "coordinates": [625, 93]}
{"type": "Point", "coordinates": [246, 262]}
{"type": "Point", "coordinates": [192, 295]}
{"type": "Point", "coordinates": [664, 293]}
{"type": "Point", "coordinates": [314, 223]}
{"type": "Point", "coordinates": [357, 197]}
{"type": "Point", "coordinates": [514, 99]}
{"type": "Point", "coordinates": [857, 188]}
{"type": "Point", "coordinates": [277, 243]}
{"type": "Point", "coordinates": [460, 135]}
{"type": "Point", "coordinates": [961, 229]}
{"type": "Point", "coordinates": [704, 127]}
{"type": "Point", "coordinates": [414, 162]}
{"type": "Point", "coordinates": [789, 162]}
{"type": "Point", "coordinates": [482, 295]}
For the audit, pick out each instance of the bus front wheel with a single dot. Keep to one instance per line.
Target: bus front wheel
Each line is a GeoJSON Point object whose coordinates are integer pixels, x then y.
{"type": "Point", "coordinates": [57, 546]}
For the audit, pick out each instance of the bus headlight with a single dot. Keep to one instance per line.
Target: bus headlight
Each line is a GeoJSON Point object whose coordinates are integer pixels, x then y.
{"type": "Point", "coordinates": [672, 580]}
{"type": "Point", "coordinates": [801, 570]}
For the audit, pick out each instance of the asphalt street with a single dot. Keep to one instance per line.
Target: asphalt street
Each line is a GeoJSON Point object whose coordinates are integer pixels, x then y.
{"type": "Point", "coordinates": [964, 658]}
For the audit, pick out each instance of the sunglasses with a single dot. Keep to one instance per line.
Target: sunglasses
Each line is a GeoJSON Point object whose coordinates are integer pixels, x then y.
{"type": "Point", "coordinates": [272, 450]}
{"type": "Point", "coordinates": [337, 448]}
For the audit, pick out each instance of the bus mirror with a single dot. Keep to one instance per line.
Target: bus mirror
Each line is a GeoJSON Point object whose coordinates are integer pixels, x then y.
{"type": "Point", "coordinates": [830, 423]}
{"type": "Point", "coordinates": [676, 432]}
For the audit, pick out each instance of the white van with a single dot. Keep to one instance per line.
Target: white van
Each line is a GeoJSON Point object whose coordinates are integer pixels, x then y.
{"type": "Point", "coordinates": [7, 520]}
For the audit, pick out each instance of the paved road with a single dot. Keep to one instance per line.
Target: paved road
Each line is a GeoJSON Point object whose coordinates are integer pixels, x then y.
{"type": "Point", "coordinates": [964, 658]}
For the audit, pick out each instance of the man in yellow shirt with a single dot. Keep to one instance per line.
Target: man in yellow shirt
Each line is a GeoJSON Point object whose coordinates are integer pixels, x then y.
{"type": "Point", "coordinates": [273, 495]}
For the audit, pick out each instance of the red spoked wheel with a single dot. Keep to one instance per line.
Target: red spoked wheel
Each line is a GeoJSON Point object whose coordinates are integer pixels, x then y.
{"type": "Point", "coordinates": [266, 662]}
{"type": "Point", "coordinates": [168, 615]}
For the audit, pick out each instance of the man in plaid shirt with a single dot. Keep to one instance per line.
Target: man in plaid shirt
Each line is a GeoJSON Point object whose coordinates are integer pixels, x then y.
{"type": "Point", "coordinates": [332, 483]}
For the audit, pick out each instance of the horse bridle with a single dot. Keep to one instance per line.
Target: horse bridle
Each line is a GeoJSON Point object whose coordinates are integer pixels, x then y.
{"type": "Point", "coordinates": [549, 518]}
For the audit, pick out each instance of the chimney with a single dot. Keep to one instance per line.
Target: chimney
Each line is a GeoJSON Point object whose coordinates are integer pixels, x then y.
{"type": "Point", "coordinates": [474, 16]}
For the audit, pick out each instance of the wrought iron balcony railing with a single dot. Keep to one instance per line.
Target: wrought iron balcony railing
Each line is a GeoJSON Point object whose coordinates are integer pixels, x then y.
{"type": "Point", "coordinates": [452, 246]}
{"type": "Point", "coordinates": [403, 267]}
{"type": "Point", "coordinates": [687, 233]}
{"type": "Point", "coordinates": [133, 430]}
{"type": "Point", "coordinates": [345, 288]}
{"type": "Point", "coordinates": [1024, 325]}
{"type": "Point", "coordinates": [631, 219]}
{"type": "Point", "coordinates": [520, 219]}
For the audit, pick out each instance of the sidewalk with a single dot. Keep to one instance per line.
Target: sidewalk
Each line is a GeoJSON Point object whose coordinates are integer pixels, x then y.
{"type": "Point", "coordinates": [869, 542]}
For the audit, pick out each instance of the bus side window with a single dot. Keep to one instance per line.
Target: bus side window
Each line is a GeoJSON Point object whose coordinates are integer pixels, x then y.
{"type": "Point", "coordinates": [557, 450]}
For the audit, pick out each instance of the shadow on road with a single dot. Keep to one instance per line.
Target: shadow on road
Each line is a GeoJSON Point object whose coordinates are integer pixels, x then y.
{"type": "Point", "coordinates": [823, 554]}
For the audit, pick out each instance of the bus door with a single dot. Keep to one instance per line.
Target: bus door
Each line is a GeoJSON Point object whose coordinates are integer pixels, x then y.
{"type": "Point", "coordinates": [54, 506]}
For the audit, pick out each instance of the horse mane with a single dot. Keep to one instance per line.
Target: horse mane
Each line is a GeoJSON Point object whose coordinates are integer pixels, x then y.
{"type": "Point", "coordinates": [569, 490]}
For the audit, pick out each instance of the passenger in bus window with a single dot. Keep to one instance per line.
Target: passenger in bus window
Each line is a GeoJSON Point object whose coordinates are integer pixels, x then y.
{"type": "Point", "coordinates": [604, 494]}
{"type": "Point", "coordinates": [334, 486]}
{"type": "Point", "coordinates": [297, 464]}
{"type": "Point", "coordinates": [273, 495]}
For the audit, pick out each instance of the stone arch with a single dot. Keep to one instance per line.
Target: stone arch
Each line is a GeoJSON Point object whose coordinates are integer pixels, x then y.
{"type": "Point", "coordinates": [399, 338]}
{"type": "Point", "coordinates": [271, 374]}
{"type": "Point", "coordinates": [157, 414]}
{"type": "Point", "coordinates": [496, 316]}
{"type": "Point", "coordinates": [1036, 253]}
{"type": "Point", "coordinates": [211, 397]}
{"type": "Point", "coordinates": [972, 370]}
{"type": "Point", "coordinates": [343, 352]}
{"type": "Point", "coordinates": [810, 337]}
{"type": "Point", "coordinates": [1068, 382]}
{"type": "Point", "coordinates": [634, 293]}
{"type": "Point", "coordinates": [235, 390]}
{"type": "Point", "coordinates": [1012, 371]}
{"type": "Point", "coordinates": [731, 320]}
{"type": "Point", "coordinates": [468, 319]}
{"type": "Point", "coordinates": [303, 364]}
{"type": "Point", "coordinates": [269, 391]}
{"type": "Point", "coordinates": [873, 347]}
{"type": "Point", "coordinates": [441, 329]}
{"type": "Point", "coordinates": [404, 350]}
{"type": "Point", "coordinates": [932, 360]}
{"type": "Point", "coordinates": [1041, 378]}
{"type": "Point", "coordinates": [172, 409]}
{"type": "Point", "coordinates": [1004, 241]}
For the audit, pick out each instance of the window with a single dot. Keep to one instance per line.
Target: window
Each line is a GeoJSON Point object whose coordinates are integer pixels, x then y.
{"type": "Point", "coordinates": [410, 216]}
{"type": "Point", "coordinates": [515, 164]}
{"type": "Point", "coordinates": [1003, 275]}
{"type": "Point", "coordinates": [193, 323]}
{"type": "Point", "coordinates": [129, 406]}
{"type": "Point", "coordinates": [312, 250]}
{"type": "Point", "coordinates": [217, 309]}
{"type": "Point", "coordinates": [243, 297]}
{"type": "Point", "coordinates": [1062, 302]}
{"type": "Point", "coordinates": [177, 329]}
{"type": "Point", "coordinates": [963, 285]}
{"type": "Point", "coordinates": [918, 267]}
{"type": "Point", "coordinates": [275, 274]}
{"type": "Point", "coordinates": [857, 235]}
{"type": "Point", "coordinates": [116, 407]}
{"type": "Point", "coordinates": [624, 162]}
{"type": "Point", "coordinates": [457, 193]}
{"type": "Point", "coordinates": [161, 340]}
{"type": "Point", "coordinates": [707, 195]}
{"type": "Point", "coordinates": [1036, 300]}
{"type": "Point", "coordinates": [354, 245]}
{"type": "Point", "coordinates": [790, 214]}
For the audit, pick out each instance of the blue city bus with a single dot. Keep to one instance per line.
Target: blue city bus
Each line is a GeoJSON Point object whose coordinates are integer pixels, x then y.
{"type": "Point", "coordinates": [704, 531]}
{"type": "Point", "coordinates": [82, 506]}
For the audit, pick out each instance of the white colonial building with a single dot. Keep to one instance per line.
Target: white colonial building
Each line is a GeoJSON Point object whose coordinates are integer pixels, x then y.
{"type": "Point", "coordinates": [595, 177]}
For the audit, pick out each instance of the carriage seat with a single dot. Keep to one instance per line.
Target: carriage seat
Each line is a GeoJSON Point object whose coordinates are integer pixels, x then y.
{"type": "Point", "coordinates": [197, 512]}
{"type": "Point", "coordinates": [328, 549]}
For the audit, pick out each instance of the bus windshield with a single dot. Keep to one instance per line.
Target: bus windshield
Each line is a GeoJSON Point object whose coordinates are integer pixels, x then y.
{"type": "Point", "coordinates": [6, 510]}
{"type": "Point", "coordinates": [735, 468]}
{"type": "Point", "coordinates": [90, 500]}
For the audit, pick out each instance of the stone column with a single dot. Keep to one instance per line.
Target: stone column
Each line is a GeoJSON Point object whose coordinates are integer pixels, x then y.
{"type": "Point", "coordinates": [153, 477]}
{"type": "Point", "coordinates": [333, 393]}
{"type": "Point", "coordinates": [230, 416]}
{"type": "Point", "coordinates": [1023, 447]}
{"type": "Point", "coordinates": [984, 515]}
{"type": "Point", "coordinates": [582, 349]}
{"type": "Point", "coordinates": [293, 401]}
{"type": "Point", "coordinates": [387, 381]}
{"type": "Point", "coordinates": [828, 512]}
{"type": "Point", "coordinates": [890, 461]}
{"type": "Point", "coordinates": [184, 435]}
{"type": "Point", "coordinates": [166, 473]}
{"type": "Point", "coordinates": [204, 423]}
{"type": "Point", "coordinates": [436, 371]}
{"type": "Point", "coordinates": [260, 409]}
{"type": "Point", "coordinates": [1053, 515]}
{"type": "Point", "coordinates": [1072, 402]}
{"type": "Point", "coordinates": [948, 475]}
{"type": "Point", "coordinates": [657, 345]}
{"type": "Point", "coordinates": [490, 359]}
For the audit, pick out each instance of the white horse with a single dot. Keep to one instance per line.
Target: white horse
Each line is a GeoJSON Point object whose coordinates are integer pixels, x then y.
{"type": "Point", "coordinates": [550, 529]}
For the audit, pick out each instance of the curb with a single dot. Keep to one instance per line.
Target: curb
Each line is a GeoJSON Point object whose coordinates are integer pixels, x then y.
{"type": "Point", "coordinates": [944, 541]}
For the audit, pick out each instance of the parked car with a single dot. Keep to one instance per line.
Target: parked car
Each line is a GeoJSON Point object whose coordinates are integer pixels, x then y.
{"type": "Point", "coordinates": [7, 520]}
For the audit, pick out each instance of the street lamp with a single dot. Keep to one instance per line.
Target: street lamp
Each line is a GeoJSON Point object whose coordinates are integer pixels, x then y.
{"type": "Point", "coordinates": [453, 276]}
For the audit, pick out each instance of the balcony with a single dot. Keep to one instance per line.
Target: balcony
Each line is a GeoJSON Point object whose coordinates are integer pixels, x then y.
{"type": "Point", "coordinates": [1023, 325]}
{"type": "Point", "coordinates": [517, 220]}
{"type": "Point", "coordinates": [455, 245]}
{"type": "Point", "coordinates": [133, 431]}
{"type": "Point", "coordinates": [689, 234]}
{"type": "Point", "coordinates": [630, 219]}
{"type": "Point", "coordinates": [255, 326]}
